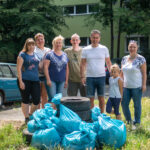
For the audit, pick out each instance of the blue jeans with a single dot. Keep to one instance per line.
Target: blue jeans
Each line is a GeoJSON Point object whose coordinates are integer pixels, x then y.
{"type": "Point", "coordinates": [94, 83]}
{"type": "Point", "coordinates": [56, 87]}
{"type": "Point", "coordinates": [136, 95]}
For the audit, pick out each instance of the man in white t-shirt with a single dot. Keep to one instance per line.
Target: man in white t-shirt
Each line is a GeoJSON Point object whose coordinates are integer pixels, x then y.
{"type": "Point", "coordinates": [93, 60]}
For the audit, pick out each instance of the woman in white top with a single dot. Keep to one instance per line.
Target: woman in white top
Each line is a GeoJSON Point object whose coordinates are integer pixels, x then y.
{"type": "Point", "coordinates": [134, 79]}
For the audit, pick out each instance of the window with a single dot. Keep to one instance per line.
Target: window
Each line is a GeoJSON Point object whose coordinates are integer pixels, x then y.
{"type": "Point", "coordinates": [6, 71]}
{"type": "Point", "coordinates": [81, 9]}
{"type": "Point", "coordinates": [14, 70]}
{"type": "Point", "coordinates": [142, 42]}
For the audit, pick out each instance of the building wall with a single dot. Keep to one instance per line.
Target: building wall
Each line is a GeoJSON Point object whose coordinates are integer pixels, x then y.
{"type": "Point", "coordinates": [80, 24]}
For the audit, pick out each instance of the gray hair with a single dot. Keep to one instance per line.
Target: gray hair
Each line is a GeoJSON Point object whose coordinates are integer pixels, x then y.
{"type": "Point", "coordinates": [95, 32]}
{"type": "Point", "coordinates": [75, 35]}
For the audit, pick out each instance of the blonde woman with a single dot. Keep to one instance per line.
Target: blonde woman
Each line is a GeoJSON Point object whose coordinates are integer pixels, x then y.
{"type": "Point", "coordinates": [56, 68]}
{"type": "Point", "coordinates": [28, 79]}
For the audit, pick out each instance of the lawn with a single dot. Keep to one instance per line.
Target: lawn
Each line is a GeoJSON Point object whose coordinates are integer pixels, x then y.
{"type": "Point", "coordinates": [11, 137]}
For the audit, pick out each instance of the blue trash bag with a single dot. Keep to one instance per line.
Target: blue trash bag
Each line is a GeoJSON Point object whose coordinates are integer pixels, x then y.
{"type": "Point", "coordinates": [45, 139]}
{"type": "Point", "coordinates": [111, 131]}
{"type": "Point", "coordinates": [32, 126]}
{"type": "Point", "coordinates": [56, 99]}
{"type": "Point", "coordinates": [41, 119]}
{"type": "Point", "coordinates": [80, 140]}
{"type": "Point", "coordinates": [95, 113]}
{"type": "Point", "coordinates": [69, 120]}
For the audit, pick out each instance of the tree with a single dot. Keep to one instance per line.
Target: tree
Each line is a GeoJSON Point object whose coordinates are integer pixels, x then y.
{"type": "Point", "coordinates": [20, 19]}
{"type": "Point", "coordinates": [105, 15]}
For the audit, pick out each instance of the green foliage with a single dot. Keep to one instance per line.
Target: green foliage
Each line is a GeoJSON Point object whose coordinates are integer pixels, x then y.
{"type": "Point", "coordinates": [25, 18]}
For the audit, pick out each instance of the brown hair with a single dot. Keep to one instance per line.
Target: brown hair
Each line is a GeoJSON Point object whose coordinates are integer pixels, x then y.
{"type": "Point", "coordinates": [28, 42]}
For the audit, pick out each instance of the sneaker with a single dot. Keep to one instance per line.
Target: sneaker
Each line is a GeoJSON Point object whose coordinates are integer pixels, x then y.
{"type": "Point", "coordinates": [134, 127]}
{"type": "Point", "coordinates": [26, 120]}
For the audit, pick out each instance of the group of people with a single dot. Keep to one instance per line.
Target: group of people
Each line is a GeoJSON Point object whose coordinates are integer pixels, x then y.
{"type": "Point", "coordinates": [43, 72]}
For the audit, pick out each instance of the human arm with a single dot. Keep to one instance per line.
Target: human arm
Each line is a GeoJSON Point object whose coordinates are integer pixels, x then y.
{"type": "Point", "coordinates": [82, 70]}
{"type": "Point", "coordinates": [46, 65]}
{"type": "Point", "coordinates": [120, 83]}
{"type": "Point", "coordinates": [19, 67]}
{"type": "Point", "coordinates": [144, 76]}
{"type": "Point", "coordinates": [67, 76]}
{"type": "Point", "coordinates": [108, 63]}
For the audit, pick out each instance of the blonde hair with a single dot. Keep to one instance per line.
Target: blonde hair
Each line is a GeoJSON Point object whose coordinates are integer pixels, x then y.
{"type": "Point", "coordinates": [56, 39]}
{"type": "Point", "coordinates": [37, 35]}
{"type": "Point", "coordinates": [28, 42]}
{"type": "Point", "coordinates": [75, 35]}
{"type": "Point", "coordinates": [115, 67]}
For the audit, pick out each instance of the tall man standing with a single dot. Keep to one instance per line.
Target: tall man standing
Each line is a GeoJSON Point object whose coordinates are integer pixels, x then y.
{"type": "Point", "coordinates": [93, 60]}
{"type": "Point", "coordinates": [74, 55]}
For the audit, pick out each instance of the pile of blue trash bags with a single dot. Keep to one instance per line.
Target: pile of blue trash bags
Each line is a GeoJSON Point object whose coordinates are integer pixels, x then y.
{"type": "Point", "coordinates": [70, 132]}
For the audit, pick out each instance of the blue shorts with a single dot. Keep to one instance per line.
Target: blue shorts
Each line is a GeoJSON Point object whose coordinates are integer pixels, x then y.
{"type": "Point", "coordinates": [113, 102]}
{"type": "Point", "coordinates": [94, 83]}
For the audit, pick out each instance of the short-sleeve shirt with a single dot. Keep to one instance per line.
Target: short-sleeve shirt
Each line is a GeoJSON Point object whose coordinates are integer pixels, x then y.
{"type": "Point", "coordinates": [114, 91]}
{"type": "Point", "coordinates": [95, 59]}
{"type": "Point", "coordinates": [57, 67]}
{"type": "Point", "coordinates": [74, 64]}
{"type": "Point", "coordinates": [30, 67]}
{"type": "Point", "coordinates": [131, 71]}
{"type": "Point", "coordinates": [39, 53]}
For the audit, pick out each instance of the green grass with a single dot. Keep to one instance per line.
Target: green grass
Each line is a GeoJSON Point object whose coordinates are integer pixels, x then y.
{"type": "Point", "coordinates": [12, 139]}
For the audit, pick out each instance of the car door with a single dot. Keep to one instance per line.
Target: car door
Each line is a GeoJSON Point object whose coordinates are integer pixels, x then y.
{"type": "Point", "coordinates": [9, 83]}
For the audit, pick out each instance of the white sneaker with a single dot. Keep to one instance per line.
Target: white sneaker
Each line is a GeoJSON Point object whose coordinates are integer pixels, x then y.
{"type": "Point", "coordinates": [133, 127]}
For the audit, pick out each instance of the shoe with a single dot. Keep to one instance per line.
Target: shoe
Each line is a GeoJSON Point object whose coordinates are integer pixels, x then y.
{"type": "Point", "coordinates": [26, 120]}
{"type": "Point", "coordinates": [134, 127]}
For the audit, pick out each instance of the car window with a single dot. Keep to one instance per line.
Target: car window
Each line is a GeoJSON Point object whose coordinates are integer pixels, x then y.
{"type": "Point", "coordinates": [1, 74]}
{"type": "Point", "coordinates": [14, 69]}
{"type": "Point", "coordinates": [6, 71]}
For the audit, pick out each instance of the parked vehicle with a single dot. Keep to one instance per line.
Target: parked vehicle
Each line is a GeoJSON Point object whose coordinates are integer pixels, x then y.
{"type": "Point", "coordinates": [9, 90]}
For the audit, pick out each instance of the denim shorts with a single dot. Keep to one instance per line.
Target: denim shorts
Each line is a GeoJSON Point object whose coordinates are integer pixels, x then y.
{"type": "Point", "coordinates": [113, 103]}
{"type": "Point", "coordinates": [93, 84]}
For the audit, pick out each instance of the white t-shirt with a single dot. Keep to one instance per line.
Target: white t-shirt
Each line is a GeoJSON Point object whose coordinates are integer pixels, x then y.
{"type": "Point", "coordinates": [114, 91]}
{"type": "Point", "coordinates": [95, 59]}
{"type": "Point", "coordinates": [40, 55]}
{"type": "Point", "coordinates": [132, 72]}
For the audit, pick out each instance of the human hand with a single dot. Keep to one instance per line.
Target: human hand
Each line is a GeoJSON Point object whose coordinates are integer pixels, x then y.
{"type": "Point", "coordinates": [22, 85]}
{"type": "Point", "coordinates": [143, 88]}
{"type": "Point", "coordinates": [49, 83]}
{"type": "Point", "coordinates": [83, 80]}
{"type": "Point", "coordinates": [66, 84]}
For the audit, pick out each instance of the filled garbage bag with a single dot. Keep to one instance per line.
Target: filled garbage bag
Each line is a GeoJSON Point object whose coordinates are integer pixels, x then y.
{"type": "Point", "coordinates": [56, 99]}
{"type": "Point", "coordinates": [111, 131]}
{"type": "Point", "coordinates": [80, 140]}
{"type": "Point", "coordinates": [69, 120]}
{"type": "Point", "coordinates": [95, 113]}
{"type": "Point", "coordinates": [47, 138]}
{"type": "Point", "coordinates": [41, 119]}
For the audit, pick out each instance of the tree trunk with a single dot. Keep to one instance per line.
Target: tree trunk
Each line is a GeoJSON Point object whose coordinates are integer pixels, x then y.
{"type": "Point", "coordinates": [119, 33]}
{"type": "Point", "coordinates": [112, 32]}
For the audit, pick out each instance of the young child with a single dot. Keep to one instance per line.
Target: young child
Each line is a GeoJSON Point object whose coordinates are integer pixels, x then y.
{"type": "Point", "coordinates": [115, 91]}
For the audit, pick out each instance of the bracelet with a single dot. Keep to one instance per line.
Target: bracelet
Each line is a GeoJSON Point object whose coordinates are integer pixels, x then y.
{"type": "Point", "coordinates": [82, 77]}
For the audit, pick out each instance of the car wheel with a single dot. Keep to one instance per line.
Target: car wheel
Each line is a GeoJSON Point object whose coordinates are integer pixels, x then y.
{"type": "Point", "coordinates": [76, 103]}
{"type": "Point", "coordinates": [27, 135]}
{"type": "Point", "coordinates": [1, 99]}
